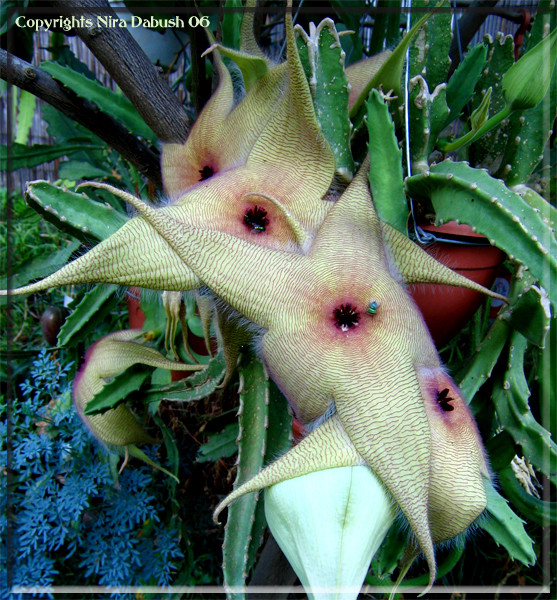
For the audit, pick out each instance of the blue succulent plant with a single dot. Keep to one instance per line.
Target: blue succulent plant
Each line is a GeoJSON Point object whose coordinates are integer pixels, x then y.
{"type": "Point", "coordinates": [71, 521]}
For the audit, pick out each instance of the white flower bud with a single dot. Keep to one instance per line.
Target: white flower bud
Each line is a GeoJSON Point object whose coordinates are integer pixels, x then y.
{"type": "Point", "coordinates": [329, 524]}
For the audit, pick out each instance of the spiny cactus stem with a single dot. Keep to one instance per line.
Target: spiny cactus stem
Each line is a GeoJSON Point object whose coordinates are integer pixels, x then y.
{"type": "Point", "coordinates": [472, 136]}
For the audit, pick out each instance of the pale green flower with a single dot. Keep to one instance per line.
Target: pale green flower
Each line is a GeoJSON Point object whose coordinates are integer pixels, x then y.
{"type": "Point", "coordinates": [329, 524]}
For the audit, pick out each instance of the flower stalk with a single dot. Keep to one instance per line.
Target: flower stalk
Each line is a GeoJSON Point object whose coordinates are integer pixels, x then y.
{"type": "Point", "coordinates": [519, 90]}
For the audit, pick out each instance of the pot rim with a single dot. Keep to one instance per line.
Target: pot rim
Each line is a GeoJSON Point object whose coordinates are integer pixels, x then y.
{"type": "Point", "coordinates": [455, 232]}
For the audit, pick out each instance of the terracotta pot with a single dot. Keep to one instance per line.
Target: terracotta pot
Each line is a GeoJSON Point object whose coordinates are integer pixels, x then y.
{"type": "Point", "coordinates": [197, 344]}
{"type": "Point", "coordinates": [446, 309]}
{"type": "Point", "coordinates": [135, 315]}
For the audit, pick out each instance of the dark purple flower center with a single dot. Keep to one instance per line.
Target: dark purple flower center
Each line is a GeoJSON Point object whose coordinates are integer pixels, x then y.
{"type": "Point", "coordinates": [346, 316]}
{"type": "Point", "coordinates": [205, 173]}
{"type": "Point", "coordinates": [444, 400]}
{"type": "Point", "coordinates": [256, 218]}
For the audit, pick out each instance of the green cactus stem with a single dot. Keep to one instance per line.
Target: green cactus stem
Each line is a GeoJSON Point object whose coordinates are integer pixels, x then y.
{"type": "Point", "coordinates": [429, 52]}
{"type": "Point", "coordinates": [385, 156]}
{"type": "Point", "coordinates": [428, 113]}
{"type": "Point", "coordinates": [510, 397]}
{"type": "Point", "coordinates": [253, 422]}
{"type": "Point", "coordinates": [322, 57]}
{"type": "Point", "coordinates": [264, 431]}
{"type": "Point", "coordinates": [74, 213]}
{"type": "Point", "coordinates": [506, 528]}
{"type": "Point", "coordinates": [461, 85]}
{"type": "Point", "coordinates": [518, 91]}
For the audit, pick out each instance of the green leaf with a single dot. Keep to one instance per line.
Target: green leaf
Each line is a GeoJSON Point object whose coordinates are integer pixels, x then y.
{"type": "Point", "coordinates": [459, 192]}
{"type": "Point", "coordinates": [116, 391]}
{"type": "Point", "coordinates": [506, 528]}
{"type": "Point", "coordinates": [323, 59]}
{"type": "Point", "coordinates": [279, 432]}
{"type": "Point", "coordinates": [25, 111]}
{"type": "Point", "coordinates": [449, 562]}
{"type": "Point", "coordinates": [109, 102]}
{"type": "Point", "coordinates": [538, 62]}
{"type": "Point", "coordinates": [530, 315]}
{"type": "Point", "coordinates": [463, 81]}
{"type": "Point", "coordinates": [385, 174]}
{"type": "Point", "coordinates": [194, 324]}
{"type": "Point", "coordinates": [231, 24]}
{"type": "Point", "coordinates": [389, 75]}
{"type": "Point", "coordinates": [74, 213]}
{"type": "Point", "coordinates": [155, 315]}
{"type": "Point", "coordinates": [74, 170]}
{"type": "Point", "coordinates": [38, 268]}
{"type": "Point", "coordinates": [37, 154]}
{"type": "Point", "coordinates": [92, 308]}
{"type": "Point", "coordinates": [65, 129]}
{"type": "Point", "coordinates": [479, 369]}
{"type": "Point", "coordinates": [480, 116]}
{"type": "Point", "coordinates": [173, 458]}
{"type": "Point", "coordinates": [64, 56]}
{"type": "Point", "coordinates": [220, 445]}
{"type": "Point", "coordinates": [9, 11]}
{"type": "Point", "coordinates": [391, 551]}
{"type": "Point", "coordinates": [198, 386]}
{"type": "Point", "coordinates": [192, 318]}
{"type": "Point", "coordinates": [138, 453]}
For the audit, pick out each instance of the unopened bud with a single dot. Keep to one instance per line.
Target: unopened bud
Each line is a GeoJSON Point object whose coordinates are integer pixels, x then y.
{"type": "Point", "coordinates": [526, 82]}
{"type": "Point", "coordinates": [329, 524]}
{"type": "Point", "coordinates": [479, 117]}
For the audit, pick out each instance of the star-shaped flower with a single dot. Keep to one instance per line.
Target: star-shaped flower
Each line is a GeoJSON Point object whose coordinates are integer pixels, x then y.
{"type": "Point", "coordinates": [268, 188]}
{"type": "Point", "coordinates": [224, 132]}
{"type": "Point", "coordinates": [342, 334]}
{"type": "Point", "coordinates": [456, 494]}
{"type": "Point", "coordinates": [258, 171]}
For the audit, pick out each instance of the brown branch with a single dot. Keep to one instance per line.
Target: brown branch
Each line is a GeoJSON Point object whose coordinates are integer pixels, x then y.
{"type": "Point", "coordinates": [201, 83]}
{"type": "Point", "coordinates": [468, 25]}
{"type": "Point", "coordinates": [130, 68]}
{"type": "Point", "coordinates": [27, 77]}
